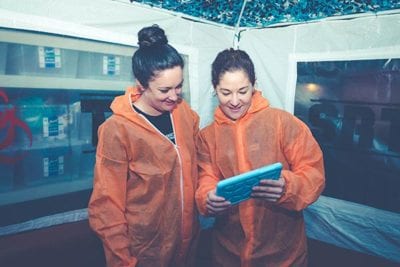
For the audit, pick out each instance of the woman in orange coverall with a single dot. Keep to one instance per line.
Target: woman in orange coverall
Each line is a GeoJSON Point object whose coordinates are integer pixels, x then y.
{"type": "Point", "coordinates": [142, 206]}
{"type": "Point", "coordinates": [268, 229]}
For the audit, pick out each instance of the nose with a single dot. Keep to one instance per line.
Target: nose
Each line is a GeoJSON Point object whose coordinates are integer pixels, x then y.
{"type": "Point", "coordinates": [173, 94]}
{"type": "Point", "coordinates": [235, 100]}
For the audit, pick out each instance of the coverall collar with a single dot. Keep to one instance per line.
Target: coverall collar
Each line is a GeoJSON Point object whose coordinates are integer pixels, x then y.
{"type": "Point", "coordinates": [122, 105]}
{"type": "Point", "coordinates": [258, 102]}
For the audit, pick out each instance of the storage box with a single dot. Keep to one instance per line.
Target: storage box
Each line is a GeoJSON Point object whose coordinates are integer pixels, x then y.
{"type": "Point", "coordinates": [41, 61]}
{"type": "Point", "coordinates": [11, 168]}
{"type": "Point", "coordinates": [3, 57]}
{"type": "Point", "coordinates": [104, 66]}
{"type": "Point", "coordinates": [6, 174]}
{"type": "Point", "coordinates": [84, 157]}
{"type": "Point", "coordinates": [80, 124]}
{"type": "Point", "coordinates": [12, 132]}
{"type": "Point", "coordinates": [46, 122]}
{"type": "Point", "coordinates": [43, 166]}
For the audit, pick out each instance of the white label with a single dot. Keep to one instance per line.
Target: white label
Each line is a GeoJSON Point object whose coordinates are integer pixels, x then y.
{"type": "Point", "coordinates": [111, 65]}
{"type": "Point", "coordinates": [49, 57]}
{"type": "Point", "coordinates": [45, 127]}
{"type": "Point", "coordinates": [46, 167]}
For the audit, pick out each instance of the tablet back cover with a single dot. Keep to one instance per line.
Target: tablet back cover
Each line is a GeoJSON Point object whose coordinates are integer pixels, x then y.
{"type": "Point", "coordinates": [238, 188]}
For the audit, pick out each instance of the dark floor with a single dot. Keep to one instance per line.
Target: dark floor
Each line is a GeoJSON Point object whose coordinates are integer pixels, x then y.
{"type": "Point", "coordinates": [74, 245]}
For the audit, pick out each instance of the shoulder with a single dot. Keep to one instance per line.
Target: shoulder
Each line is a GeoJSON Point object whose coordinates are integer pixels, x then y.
{"type": "Point", "coordinates": [208, 130]}
{"type": "Point", "coordinates": [283, 116]}
{"type": "Point", "coordinates": [113, 125]}
{"type": "Point", "coordinates": [184, 109]}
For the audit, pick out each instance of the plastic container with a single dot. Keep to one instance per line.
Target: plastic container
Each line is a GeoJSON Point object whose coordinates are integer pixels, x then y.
{"type": "Point", "coordinates": [104, 66]}
{"type": "Point", "coordinates": [12, 169]}
{"type": "Point", "coordinates": [85, 128]}
{"type": "Point", "coordinates": [3, 57]}
{"type": "Point", "coordinates": [80, 124]}
{"type": "Point", "coordinates": [46, 122]}
{"type": "Point", "coordinates": [14, 133]}
{"type": "Point", "coordinates": [6, 174]}
{"type": "Point", "coordinates": [84, 160]}
{"type": "Point", "coordinates": [32, 60]}
{"type": "Point", "coordinates": [45, 166]}
{"type": "Point", "coordinates": [4, 126]}
{"type": "Point", "coordinates": [74, 119]}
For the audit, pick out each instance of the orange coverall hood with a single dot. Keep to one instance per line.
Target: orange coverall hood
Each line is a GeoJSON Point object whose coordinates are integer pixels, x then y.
{"type": "Point", "coordinates": [142, 205]}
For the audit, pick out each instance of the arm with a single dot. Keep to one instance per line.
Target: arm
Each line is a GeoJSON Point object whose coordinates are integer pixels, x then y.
{"type": "Point", "coordinates": [305, 178]}
{"type": "Point", "coordinates": [208, 203]}
{"type": "Point", "coordinates": [107, 203]}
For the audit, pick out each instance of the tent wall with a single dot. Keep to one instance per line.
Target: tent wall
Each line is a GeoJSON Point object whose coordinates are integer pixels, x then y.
{"type": "Point", "coordinates": [275, 52]}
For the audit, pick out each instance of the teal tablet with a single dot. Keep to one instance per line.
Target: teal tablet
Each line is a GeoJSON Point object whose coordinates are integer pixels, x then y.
{"type": "Point", "coordinates": [238, 188]}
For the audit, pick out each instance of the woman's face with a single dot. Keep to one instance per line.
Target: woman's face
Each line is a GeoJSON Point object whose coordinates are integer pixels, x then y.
{"type": "Point", "coordinates": [234, 93]}
{"type": "Point", "coordinates": [164, 91]}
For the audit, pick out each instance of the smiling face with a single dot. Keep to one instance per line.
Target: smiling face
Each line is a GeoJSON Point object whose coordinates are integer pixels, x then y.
{"type": "Point", "coordinates": [234, 92]}
{"type": "Point", "coordinates": [163, 93]}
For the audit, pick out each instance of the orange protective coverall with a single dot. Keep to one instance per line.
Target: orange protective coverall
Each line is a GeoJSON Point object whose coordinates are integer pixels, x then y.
{"type": "Point", "coordinates": [142, 205]}
{"type": "Point", "coordinates": [257, 232]}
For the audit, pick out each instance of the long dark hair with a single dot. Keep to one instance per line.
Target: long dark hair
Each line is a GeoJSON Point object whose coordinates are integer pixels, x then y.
{"type": "Point", "coordinates": [154, 55]}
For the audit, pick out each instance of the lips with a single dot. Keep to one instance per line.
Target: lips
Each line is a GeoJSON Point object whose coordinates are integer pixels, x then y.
{"type": "Point", "coordinates": [235, 109]}
{"type": "Point", "coordinates": [170, 105]}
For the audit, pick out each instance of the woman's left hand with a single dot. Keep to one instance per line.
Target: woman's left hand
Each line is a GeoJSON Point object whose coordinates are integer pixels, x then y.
{"type": "Point", "coordinates": [270, 190]}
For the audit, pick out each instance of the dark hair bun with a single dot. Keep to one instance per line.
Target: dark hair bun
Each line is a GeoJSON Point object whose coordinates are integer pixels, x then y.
{"type": "Point", "coordinates": [152, 36]}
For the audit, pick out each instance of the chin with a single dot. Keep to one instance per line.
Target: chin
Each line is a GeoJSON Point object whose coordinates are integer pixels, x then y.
{"type": "Point", "coordinates": [169, 108]}
{"type": "Point", "coordinates": [234, 118]}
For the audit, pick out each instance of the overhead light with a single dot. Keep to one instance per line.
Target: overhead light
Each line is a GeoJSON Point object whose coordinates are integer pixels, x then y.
{"type": "Point", "coordinates": [312, 87]}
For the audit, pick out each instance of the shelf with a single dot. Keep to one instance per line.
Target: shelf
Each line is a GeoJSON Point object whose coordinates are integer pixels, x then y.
{"type": "Point", "coordinates": [44, 82]}
{"type": "Point", "coordinates": [45, 190]}
{"type": "Point", "coordinates": [48, 144]}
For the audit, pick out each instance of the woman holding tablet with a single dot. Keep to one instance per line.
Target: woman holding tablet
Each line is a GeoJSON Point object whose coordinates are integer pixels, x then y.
{"type": "Point", "coordinates": [268, 229]}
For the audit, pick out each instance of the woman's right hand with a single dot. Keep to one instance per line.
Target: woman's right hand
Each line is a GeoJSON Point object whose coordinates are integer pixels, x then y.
{"type": "Point", "coordinates": [216, 205]}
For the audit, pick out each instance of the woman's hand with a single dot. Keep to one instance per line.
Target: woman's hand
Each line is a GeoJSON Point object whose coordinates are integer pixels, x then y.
{"type": "Point", "coordinates": [216, 205]}
{"type": "Point", "coordinates": [270, 190]}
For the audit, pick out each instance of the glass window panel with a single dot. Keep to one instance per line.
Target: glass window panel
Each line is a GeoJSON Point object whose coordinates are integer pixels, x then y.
{"type": "Point", "coordinates": [353, 110]}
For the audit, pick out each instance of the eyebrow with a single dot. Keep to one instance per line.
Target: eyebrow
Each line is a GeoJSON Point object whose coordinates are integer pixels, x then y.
{"type": "Point", "coordinates": [170, 87]}
{"type": "Point", "coordinates": [241, 88]}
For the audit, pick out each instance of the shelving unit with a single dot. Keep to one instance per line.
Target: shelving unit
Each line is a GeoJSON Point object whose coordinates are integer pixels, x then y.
{"type": "Point", "coordinates": [46, 139]}
{"type": "Point", "coordinates": [55, 91]}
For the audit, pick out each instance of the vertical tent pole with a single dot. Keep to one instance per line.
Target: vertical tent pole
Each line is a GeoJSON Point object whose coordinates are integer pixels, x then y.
{"type": "Point", "coordinates": [236, 37]}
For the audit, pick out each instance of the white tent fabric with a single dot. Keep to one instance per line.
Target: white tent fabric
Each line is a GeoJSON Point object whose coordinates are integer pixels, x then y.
{"type": "Point", "coordinates": [354, 226]}
{"type": "Point", "coordinates": [275, 52]}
